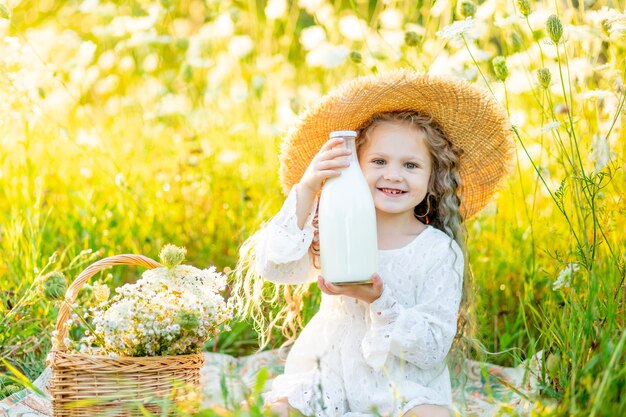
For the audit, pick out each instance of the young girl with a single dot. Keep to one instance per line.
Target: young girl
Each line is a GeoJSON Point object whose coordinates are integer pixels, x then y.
{"type": "Point", "coordinates": [432, 151]}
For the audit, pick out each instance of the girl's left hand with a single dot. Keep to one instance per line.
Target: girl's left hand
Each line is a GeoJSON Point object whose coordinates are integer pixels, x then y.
{"type": "Point", "coordinates": [364, 292]}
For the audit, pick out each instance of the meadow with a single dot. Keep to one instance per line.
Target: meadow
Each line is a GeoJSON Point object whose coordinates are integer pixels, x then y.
{"type": "Point", "coordinates": [126, 125]}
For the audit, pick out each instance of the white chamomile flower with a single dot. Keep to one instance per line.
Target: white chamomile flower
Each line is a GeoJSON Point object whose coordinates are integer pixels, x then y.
{"type": "Point", "coordinates": [169, 311]}
{"type": "Point", "coordinates": [565, 276]}
{"type": "Point", "coordinates": [550, 126]}
{"type": "Point", "coordinates": [457, 29]}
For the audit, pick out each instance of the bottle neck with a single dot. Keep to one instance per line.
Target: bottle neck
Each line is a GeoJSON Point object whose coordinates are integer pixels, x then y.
{"type": "Point", "coordinates": [350, 143]}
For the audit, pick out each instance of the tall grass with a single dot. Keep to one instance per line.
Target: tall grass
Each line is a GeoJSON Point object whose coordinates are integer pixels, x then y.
{"type": "Point", "coordinates": [127, 125]}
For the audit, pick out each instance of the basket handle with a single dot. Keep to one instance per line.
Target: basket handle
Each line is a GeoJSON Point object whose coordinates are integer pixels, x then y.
{"type": "Point", "coordinates": [90, 271]}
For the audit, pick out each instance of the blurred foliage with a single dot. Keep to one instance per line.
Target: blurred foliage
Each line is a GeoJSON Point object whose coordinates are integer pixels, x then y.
{"type": "Point", "coordinates": [130, 124]}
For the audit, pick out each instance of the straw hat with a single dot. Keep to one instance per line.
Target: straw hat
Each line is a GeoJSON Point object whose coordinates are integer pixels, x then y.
{"type": "Point", "coordinates": [469, 118]}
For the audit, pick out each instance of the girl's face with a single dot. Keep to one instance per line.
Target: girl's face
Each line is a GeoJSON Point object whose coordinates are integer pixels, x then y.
{"type": "Point", "coordinates": [396, 164]}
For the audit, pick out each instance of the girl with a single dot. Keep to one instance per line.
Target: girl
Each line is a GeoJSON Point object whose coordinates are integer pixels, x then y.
{"type": "Point", "coordinates": [432, 151]}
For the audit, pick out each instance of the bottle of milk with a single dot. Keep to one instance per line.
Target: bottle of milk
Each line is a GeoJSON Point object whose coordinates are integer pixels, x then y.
{"type": "Point", "coordinates": [347, 223]}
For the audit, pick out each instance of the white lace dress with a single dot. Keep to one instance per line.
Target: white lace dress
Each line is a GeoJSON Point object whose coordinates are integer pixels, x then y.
{"type": "Point", "coordinates": [353, 359]}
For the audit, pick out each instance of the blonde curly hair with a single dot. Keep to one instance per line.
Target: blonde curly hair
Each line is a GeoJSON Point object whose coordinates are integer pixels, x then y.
{"type": "Point", "coordinates": [440, 208]}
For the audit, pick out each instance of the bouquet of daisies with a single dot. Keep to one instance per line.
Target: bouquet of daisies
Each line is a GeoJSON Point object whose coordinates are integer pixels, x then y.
{"type": "Point", "coordinates": [171, 310]}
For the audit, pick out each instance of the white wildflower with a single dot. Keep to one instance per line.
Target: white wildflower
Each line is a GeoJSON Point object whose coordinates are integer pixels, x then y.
{"type": "Point", "coordinates": [457, 29]}
{"type": "Point", "coordinates": [228, 156]}
{"type": "Point", "coordinates": [439, 7]}
{"type": "Point", "coordinates": [89, 6]}
{"type": "Point", "coordinates": [84, 171]}
{"type": "Point", "coordinates": [107, 85]}
{"type": "Point", "coordinates": [327, 56]}
{"type": "Point", "coordinates": [144, 318]}
{"type": "Point", "coordinates": [610, 19]}
{"type": "Point", "coordinates": [391, 19]}
{"type": "Point", "coordinates": [239, 91]}
{"type": "Point", "coordinates": [565, 276]}
{"type": "Point", "coordinates": [240, 46]}
{"type": "Point", "coordinates": [312, 37]}
{"type": "Point", "coordinates": [600, 152]}
{"type": "Point", "coordinates": [275, 9]}
{"type": "Point", "coordinates": [596, 94]}
{"type": "Point", "coordinates": [311, 6]}
{"type": "Point", "coordinates": [550, 126]}
{"type": "Point", "coordinates": [353, 28]}
{"type": "Point", "coordinates": [598, 17]}
{"type": "Point", "coordinates": [86, 52]}
{"type": "Point", "coordinates": [508, 21]}
{"type": "Point", "coordinates": [125, 25]}
{"type": "Point", "coordinates": [174, 104]}
{"type": "Point", "coordinates": [618, 26]}
{"type": "Point", "coordinates": [223, 27]}
{"type": "Point", "coordinates": [126, 64]}
{"type": "Point", "coordinates": [518, 118]}
{"type": "Point", "coordinates": [89, 138]}
{"type": "Point", "coordinates": [106, 60]}
{"type": "Point", "coordinates": [120, 181]}
{"type": "Point", "coordinates": [150, 63]}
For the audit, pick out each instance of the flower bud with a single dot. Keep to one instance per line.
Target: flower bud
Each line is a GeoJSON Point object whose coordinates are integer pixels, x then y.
{"type": "Point", "coordinates": [101, 292]}
{"type": "Point", "coordinates": [54, 285]}
{"type": "Point", "coordinates": [553, 364]}
{"type": "Point", "coordinates": [172, 255]}
{"type": "Point", "coordinates": [187, 320]}
{"type": "Point", "coordinates": [524, 7]}
{"type": "Point", "coordinates": [544, 77]}
{"type": "Point", "coordinates": [411, 38]}
{"type": "Point", "coordinates": [555, 28]}
{"type": "Point", "coordinates": [500, 68]}
{"type": "Point", "coordinates": [356, 57]}
{"type": "Point", "coordinates": [467, 8]}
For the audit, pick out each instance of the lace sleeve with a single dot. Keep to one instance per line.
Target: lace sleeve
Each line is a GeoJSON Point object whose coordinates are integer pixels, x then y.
{"type": "Point", "coordinates": [421, 334]}
{"type": "Point", "coordinates": [282, 250]}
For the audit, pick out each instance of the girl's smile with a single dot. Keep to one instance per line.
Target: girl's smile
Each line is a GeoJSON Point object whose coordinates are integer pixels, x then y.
{"type": "Point", "coordinates": [392, 192]}
{"type": "Point", "coordinates": [396, 164]}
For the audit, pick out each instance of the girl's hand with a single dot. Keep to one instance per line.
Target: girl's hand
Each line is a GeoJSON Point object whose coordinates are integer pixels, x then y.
{"type": "Point", "coordinates": [325, 164]}
{"type": "Point", "coordinates": [364, 292]}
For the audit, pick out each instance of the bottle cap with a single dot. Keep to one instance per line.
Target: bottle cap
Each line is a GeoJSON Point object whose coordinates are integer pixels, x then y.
{"type": "Point", "coordinates": [342, 133]}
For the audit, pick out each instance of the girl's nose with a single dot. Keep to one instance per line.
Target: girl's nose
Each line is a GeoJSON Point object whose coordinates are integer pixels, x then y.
{"type": "Point", "coordinates": [392, 176]}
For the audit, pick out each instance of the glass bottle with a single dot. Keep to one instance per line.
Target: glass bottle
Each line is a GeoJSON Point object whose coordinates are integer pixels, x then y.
{"type": "Point", "coordinates": [347, 223]}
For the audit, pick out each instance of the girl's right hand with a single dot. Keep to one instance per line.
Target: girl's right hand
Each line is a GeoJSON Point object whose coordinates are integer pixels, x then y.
{"type": "Point", "coordinates": [327, 163]}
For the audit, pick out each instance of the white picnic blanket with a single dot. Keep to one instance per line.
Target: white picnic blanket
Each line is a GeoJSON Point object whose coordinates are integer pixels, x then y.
{"type": "Point", "coordinates": [487, 390]}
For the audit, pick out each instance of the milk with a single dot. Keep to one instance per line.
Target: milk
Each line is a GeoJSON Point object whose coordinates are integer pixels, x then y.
{"type": "Point", "coordinates": [347, 224]}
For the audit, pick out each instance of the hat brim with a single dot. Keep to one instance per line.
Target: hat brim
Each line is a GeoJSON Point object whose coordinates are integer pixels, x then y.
{"type": "Point", "coordinates": [469, 118]}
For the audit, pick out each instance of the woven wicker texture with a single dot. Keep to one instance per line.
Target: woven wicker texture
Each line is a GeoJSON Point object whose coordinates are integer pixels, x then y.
{"type": "Point", "coordinates": [467, 115]}
{"type": "Point", "coordinates": [89, 385]}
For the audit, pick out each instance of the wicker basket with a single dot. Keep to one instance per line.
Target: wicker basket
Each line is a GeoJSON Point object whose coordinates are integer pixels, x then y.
{"type": "Point", "coordinates": [93, 386]}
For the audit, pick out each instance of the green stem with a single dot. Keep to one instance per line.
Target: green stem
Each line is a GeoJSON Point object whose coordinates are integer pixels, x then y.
{"type": "Point", "coordinates": [29, 292]}
{"type": "Point", "coordinates": [587, 191]}
{"type": "Point", "coordinates": [561, 209]}
{"type": "Point", "coordinates": [537, 41]}
{"type": "Point", "coordinates": [519, 171]}
{"type": "Point", "coordinates": [86, 323]}
{"type": "Point", "coordinates": [557, 133]}
{"type": "Point", "coordinates": [617, 354]}
{"type": "Point", "coordinates": [477, 66]}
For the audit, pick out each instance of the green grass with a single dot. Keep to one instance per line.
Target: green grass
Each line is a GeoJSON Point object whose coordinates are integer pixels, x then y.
{"type": "Point", "coordinates": [148, 142]}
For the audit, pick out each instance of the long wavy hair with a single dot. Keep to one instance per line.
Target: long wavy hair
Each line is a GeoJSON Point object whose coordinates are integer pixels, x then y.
{"type": "Point", "coordinates": [440, 208]}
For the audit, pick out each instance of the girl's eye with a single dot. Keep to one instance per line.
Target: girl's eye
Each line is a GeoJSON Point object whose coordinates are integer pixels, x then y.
{"type": "Point", "coordinates": [378, 161]}
{"type": "Point", "coordinates": [410, 165]}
